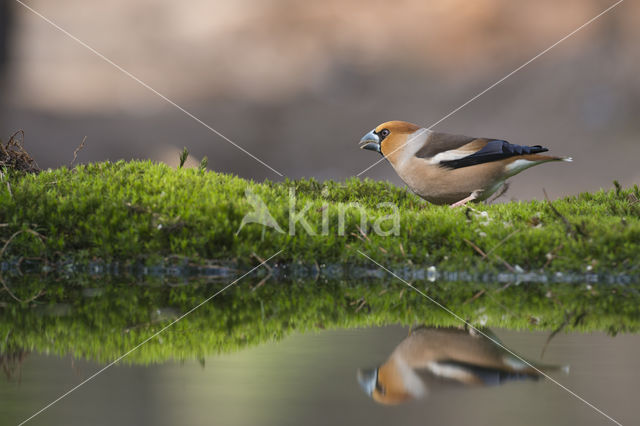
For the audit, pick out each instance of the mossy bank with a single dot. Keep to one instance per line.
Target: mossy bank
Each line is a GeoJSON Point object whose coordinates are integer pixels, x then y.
{"type": "Point", "coordinates": [102, 318]}
{"type": "Point", "coordinates": [144, 210]}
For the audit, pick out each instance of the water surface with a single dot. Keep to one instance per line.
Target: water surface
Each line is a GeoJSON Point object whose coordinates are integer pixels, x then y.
{"type": "Point", "coordinates": [311, 379]}
{"type": "Point", "coordinates": [289, 352]}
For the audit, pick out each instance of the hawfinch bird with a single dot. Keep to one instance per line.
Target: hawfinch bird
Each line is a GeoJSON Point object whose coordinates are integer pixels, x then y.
{"type": "Point", "coordinates": [451, 169]}
{"type": "Point", "coordinates": [440, 357]}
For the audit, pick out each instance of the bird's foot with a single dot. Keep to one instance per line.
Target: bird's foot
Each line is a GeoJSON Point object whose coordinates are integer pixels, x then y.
{"type": "Point", "coordinates": [474, 195]}
{"type": "Point", "coordinates": [503, 189]}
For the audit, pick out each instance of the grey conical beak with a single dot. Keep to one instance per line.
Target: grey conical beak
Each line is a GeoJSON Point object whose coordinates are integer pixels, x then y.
{"type": "Point", "coordinates": [370, 141]}
{"type": "Point", "coordinates": [367, 379]}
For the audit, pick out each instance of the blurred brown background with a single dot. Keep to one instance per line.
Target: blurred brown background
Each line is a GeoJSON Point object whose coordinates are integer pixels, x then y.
{"type": "Point", "coordinates": [298, 83]}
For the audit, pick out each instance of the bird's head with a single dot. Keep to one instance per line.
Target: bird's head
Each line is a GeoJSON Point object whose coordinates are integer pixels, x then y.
{"type": "Point", "coordinates": [384, 385]}
{"type": "Point", "coordinates": [388, 137]}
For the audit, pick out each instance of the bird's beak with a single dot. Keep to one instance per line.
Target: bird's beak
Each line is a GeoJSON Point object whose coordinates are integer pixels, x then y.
{"type": "Point", "coordinates": [371, 141]}
{"type": "Point", "coordinates": [367, 379]}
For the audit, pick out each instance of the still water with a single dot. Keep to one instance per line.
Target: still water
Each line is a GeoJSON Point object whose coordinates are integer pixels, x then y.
{"type": "Point", "coordinates": [311, 379]}
{"type": "Point", "coordinates": [320, 353]}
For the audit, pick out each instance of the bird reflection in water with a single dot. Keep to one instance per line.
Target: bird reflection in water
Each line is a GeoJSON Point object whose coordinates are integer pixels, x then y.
{"type": "Point", "coordinates": [434, 358]}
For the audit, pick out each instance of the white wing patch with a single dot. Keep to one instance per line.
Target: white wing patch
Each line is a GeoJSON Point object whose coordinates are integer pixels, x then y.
{"type": "Point", "coordinates": [412, 382]}
{"type": "Point", "coordinates": [450, 371]}
{"type": "Point", "coordinates": [454, 154]}
{"type": "Point", "coordinates": [520, 165]}
{"type": "Point", "coordinates": [514, 363]}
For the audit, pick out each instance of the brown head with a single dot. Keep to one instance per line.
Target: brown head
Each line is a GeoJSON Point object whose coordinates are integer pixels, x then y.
{"type": "Point", "coordinates": [385, 384]}
{"type": "Point", "coordinates": [388, 137]}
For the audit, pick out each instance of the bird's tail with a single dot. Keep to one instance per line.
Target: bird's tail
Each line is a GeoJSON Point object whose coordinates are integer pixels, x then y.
{"type": "Point", "coordinates": [544, 158]}
{"type": "Point", "coordinates": [534, 368]}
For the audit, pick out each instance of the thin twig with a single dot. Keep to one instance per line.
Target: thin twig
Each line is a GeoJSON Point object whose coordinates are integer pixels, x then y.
{"type": "Point", "coordinates": [504, 240]}
{"type": "Point", "coordinates": [363, 233]}
{"type": "Point", "coordinates": [475, 296]}
{"type": "Point", "coordinates": [269, 270]}
{"type": "Point", "coordinates": [364, 302]}
{"type": "Point", "coordinates": [554, 333]}
{"type": "Point", "coordinates": [356, 301]}
{"type": "Point", "coordinates": [476, 248]}
{"type": "Point", "coordinates": [77, 150]}
{"type": "Point", "coordinates": [509, 267]}
{"type": "Point", "coordinates": [8, 290]}
{"type": "Point", "coordinates": [31, 299]}
{"type": "Point", "coordinates": [567, 224]}
{"type": "Point", "coordinates": [30, 231]}
{"type": "Point", "coordinates": [485, 255]}
{"type": "Point", "coordinates": [552, 255]}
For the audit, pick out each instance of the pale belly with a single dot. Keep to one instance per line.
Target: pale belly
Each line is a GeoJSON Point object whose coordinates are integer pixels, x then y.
{"type": "Point", "coordinates": [454, 186]}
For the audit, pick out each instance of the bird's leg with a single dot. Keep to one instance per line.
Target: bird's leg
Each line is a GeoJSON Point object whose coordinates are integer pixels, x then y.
{"type": "Point", "coordinates": [503, 189]}
{"type": "Point", "coordinates": [474, 195]}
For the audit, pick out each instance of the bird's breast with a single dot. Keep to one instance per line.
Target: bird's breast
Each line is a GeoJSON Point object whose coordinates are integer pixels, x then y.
{"type": "Point", "coordinates": [441, 185]}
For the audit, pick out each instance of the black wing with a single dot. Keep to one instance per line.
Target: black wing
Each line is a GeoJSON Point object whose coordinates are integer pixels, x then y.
{"type": "Point", "coordinates": [491, 376]}
{"type": "Point", "coordinates": [494, 150]}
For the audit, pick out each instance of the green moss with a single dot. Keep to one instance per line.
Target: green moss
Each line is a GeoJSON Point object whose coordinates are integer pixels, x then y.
{"type": "Point", "coordinates": [125, 210]}
{"type": "Point", "coordinates": [129, 211]}
{"type": "Point", "coordinates": [101, 319]}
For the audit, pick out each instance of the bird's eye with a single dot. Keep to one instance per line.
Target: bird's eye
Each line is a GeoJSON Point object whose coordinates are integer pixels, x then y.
{"type": "Point", "coordinates": [384, 133]}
